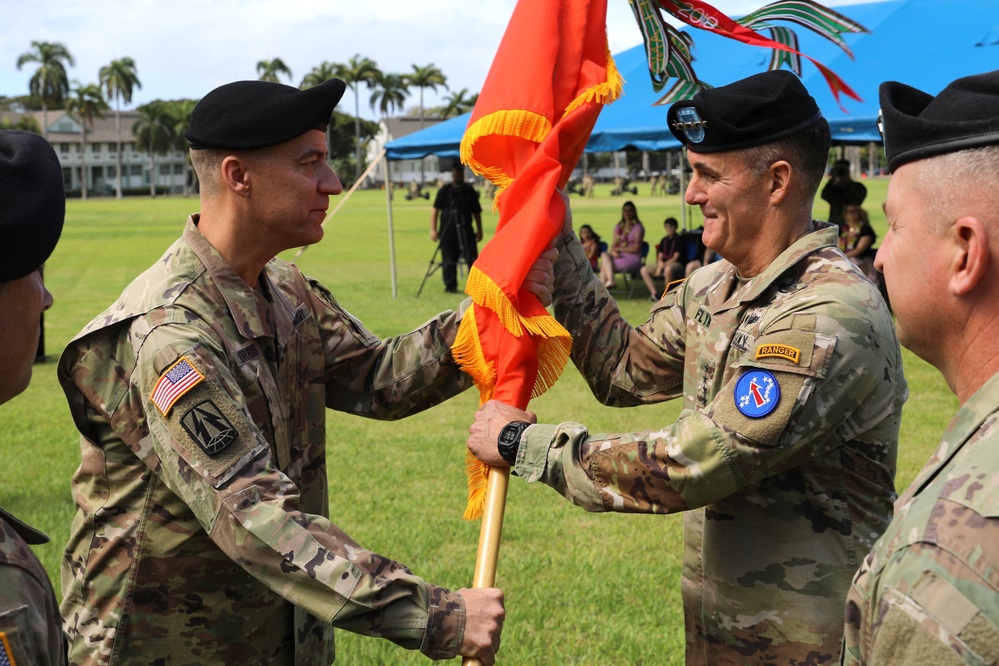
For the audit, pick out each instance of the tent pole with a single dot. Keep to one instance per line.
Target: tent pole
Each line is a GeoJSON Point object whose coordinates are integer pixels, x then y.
{"type": "Point", "coordinates": [391, 231]}
{"type": "Point", "coordinates": [683, 189]}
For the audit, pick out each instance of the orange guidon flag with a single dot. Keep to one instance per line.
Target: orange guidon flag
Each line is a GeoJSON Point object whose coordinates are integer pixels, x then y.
{"type": "Point", "coordinates": [550, 78]}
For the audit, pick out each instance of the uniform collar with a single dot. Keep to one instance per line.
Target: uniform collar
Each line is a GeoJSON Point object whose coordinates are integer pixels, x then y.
{"type": "Point", "coordinates": [969, 418]}
{"type": "Point", "coordinates": [825, 235]}
{"type": "Point", "coordinates": [250, 310]}
{"type": "Point", "coordinates": [30, 535]}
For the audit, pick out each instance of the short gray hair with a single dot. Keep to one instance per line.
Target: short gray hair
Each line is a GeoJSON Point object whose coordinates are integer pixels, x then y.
{"type": "Point", "coordinates": [207, 163]}
{"type": "Point", "coordinates": [961, 183]}
{"type": "Point", "coordinates": [806, 151]}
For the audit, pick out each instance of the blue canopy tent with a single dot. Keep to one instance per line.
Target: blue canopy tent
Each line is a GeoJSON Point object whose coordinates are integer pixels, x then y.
{"type": "Point", "coordinates": [925, 43]}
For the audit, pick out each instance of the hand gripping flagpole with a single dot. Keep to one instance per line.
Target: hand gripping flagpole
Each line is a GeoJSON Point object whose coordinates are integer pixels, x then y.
{"type": "Point", "coordinates": [490, 533]}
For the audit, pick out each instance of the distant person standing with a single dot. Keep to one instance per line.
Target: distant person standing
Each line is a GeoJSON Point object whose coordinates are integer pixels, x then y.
{"type": "Point", "coordinates": [841, 191]}
{"type": "Point", "coordinates": [459, 203]}
{"type": "Point", "coordinates": [32, 208]}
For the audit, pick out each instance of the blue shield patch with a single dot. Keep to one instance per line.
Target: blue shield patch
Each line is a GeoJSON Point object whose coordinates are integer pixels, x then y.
{"type": "Point", "coordinates": [756, 393]}
{"type": "Point", "coordinates": [691, 124]}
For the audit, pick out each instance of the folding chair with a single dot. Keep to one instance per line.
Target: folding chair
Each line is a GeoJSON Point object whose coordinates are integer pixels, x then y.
{"type": "Point", "coordinates": [632, 279]}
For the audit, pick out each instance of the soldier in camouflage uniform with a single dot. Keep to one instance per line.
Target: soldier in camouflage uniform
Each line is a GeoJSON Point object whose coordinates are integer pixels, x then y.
{"type": "Point", "coordinates": [32, 208]}
{"type": "Point", "coordinates": [928, 593]}
{"type": "Point", "coordinates": [791, 378]}
{"type": "Point", "coordinates": [203, 534]}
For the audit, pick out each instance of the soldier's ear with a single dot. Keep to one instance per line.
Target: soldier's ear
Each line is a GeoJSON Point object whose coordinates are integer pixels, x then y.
{"type": "Point", "coordinates": [236, 174]}
{"type": "Point", "coordinates": [972, 255]}
{"type": "Point", "coordinates": [779, 181]}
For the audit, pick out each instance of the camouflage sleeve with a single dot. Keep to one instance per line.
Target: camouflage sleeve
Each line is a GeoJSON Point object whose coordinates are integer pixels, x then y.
{"type": "Point", "coordinates": [390, 378]}
{"type": "Point", "coordinates": [711, 452]}
{"type": "Point", "coordinates": [208, 451]}
{"type": "Point", "coordinates": [623, 365]}
{"type": "Point", "coordinates": [932, 600]}
{"type": "Point", "coordinates": [30, 627]}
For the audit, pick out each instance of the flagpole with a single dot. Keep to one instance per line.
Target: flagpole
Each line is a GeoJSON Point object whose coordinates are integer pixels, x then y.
{"type": "Point", "coordinates": [490, 534]}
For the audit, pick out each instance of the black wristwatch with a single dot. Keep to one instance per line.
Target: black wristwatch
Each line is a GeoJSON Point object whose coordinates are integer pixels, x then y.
{"type": "Point", "coordinates": [508, 441]}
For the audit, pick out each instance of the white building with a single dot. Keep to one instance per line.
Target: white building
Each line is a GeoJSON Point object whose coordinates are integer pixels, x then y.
{"type": "Point", "coordinates": [404, 171]}
{"type": "Point", "coordinates": [169, 170]}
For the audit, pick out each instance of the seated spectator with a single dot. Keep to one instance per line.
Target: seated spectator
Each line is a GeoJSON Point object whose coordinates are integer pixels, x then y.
{"type": "Point", "coordinates": [856, 239]}
{"type": "Point", "coordinates": [668, 257]}
{"type": "Point", "coordinates": [591, 244]}
{"type": "Point", "coordinates": [625, 252]}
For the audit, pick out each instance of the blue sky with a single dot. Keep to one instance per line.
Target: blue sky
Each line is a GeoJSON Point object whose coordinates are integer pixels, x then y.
{"type": "Point", "coordinates": [184, 48]}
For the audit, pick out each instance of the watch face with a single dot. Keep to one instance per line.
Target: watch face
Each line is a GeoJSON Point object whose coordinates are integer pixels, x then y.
{"type": "Point", "coordinates": [509, 433]}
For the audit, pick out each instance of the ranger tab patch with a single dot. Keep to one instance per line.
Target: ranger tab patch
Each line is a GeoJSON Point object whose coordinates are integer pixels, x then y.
{"type": "Point", "coordinates": [792, 354]}
{"type": "Point", "coordinates": [756, 393]}
{"type": "Point", "coordinates": [207, 426]}
{"type": "Point", "coordinates": [178, 379]}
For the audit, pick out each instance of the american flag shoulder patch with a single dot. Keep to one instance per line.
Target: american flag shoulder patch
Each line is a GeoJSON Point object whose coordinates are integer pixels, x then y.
{"type": "Point", "coordinates": [177, 380]}
{"type": "Point", "coordinates": [6, 655]}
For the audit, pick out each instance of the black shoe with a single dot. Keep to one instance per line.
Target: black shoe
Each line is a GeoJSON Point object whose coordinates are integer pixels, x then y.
{"type": "Point", "coordinates": [450, 290]}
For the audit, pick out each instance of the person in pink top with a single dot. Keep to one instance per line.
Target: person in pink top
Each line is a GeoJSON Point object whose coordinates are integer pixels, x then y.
{"type": "Point", "coordinates": [625, 253]}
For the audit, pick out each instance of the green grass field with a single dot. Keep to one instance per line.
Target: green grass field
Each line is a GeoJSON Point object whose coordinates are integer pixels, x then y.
{"type": "Point", "coordinates": [580, 588]}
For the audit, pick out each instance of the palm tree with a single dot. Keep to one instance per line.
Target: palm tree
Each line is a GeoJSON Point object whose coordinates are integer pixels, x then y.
{"type": "Point", "coordinates": [389, 92]}
{"type": "Point", "coordinates": [87, 103]}
{"type": "Point", "coordinates": [355, 71]}
{"type": "Point", "coordinates": [456, 103]}
{"type": "Point", "coordinates": [426, 77]}
{"type": "Point", "coordinates": [321, 73]}
{"type": "Point", "coordinates": [180, 111]}
{"type": "Point", "coordinates": [154, 133]}
{"type": "Point", "coordinates": [268, 70]}
{"type": "Point", "coordinates": [119, 79]}
{"type": "Point", "coordinates": [49, 84]}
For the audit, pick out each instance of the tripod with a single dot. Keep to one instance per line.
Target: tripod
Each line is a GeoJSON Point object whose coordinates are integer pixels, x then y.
{"type": "Point", "coordinates": [451, 225]}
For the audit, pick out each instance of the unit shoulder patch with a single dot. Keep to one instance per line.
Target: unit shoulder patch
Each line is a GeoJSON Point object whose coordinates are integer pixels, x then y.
{"type": "Point", "coordinates": [208, 427]}
{"type": "Point", "coordinates": [6, 654]}
{"type": "Point", "coordinates": [757, 393]}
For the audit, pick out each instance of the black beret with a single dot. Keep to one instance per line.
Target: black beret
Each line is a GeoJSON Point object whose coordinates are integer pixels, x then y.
{"type": "Point", "coordinates": [750, 112]}
{"type": "Point", "coordinates": [32, 203]}
{"type": "Point", "coordinates": [255, 114]}
{"type": "Point", "coordinates": [916, 125]}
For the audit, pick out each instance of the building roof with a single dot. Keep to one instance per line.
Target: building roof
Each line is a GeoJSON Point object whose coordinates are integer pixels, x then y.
{"type": "Point", "coordinates": [103, 129]}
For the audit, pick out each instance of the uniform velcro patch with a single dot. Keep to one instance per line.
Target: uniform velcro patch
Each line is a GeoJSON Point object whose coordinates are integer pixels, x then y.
{"type": "Point", "coordinates": [178, 379]}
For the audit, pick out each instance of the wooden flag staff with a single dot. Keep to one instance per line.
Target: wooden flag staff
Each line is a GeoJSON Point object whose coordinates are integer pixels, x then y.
{"type": "Point", "coordinates": [490, 534]}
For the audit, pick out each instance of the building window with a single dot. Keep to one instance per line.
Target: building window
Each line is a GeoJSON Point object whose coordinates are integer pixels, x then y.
{"type": "Point", "coordinates": [112, 148]}
{"type": "Point", "coordinates": [64, 149]}
{"type": "Point", "coordinates": [135, 170]}
{"type": "Point", "coordinates": [164, 169]}
{"type": "Point", "coordinates": [178, 169]}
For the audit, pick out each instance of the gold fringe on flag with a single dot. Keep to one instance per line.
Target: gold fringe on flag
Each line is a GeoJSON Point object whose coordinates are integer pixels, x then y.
{"type": "Point", "coordinates": [553, 344]}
